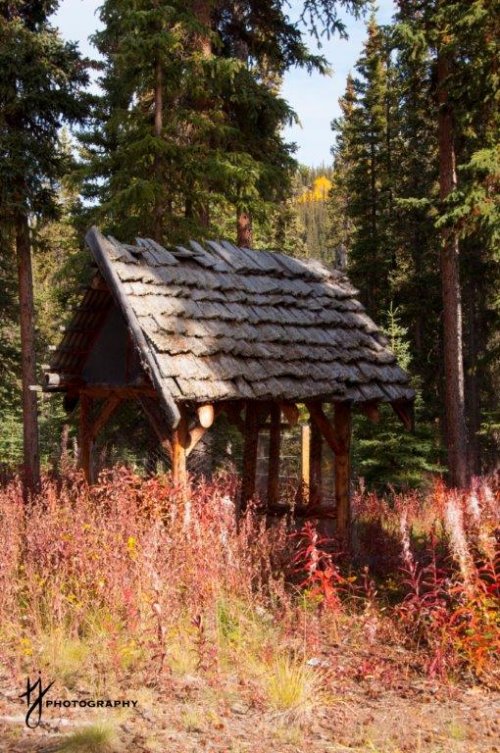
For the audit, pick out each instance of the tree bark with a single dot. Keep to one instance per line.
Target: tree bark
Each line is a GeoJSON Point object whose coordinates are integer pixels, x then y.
{"type": "Point", "coordinates": [28, 356]}
{"type": "Point", "coordinates": [244, 229]}
{"type": "Point", "coordinates": [202, 43]}
{"type": "Point", "coordinates": [158, 128]}
{"type": "Point", "coordinates": [450, 283]}
{"type": "Point", "coordinates": [472, 378]}
{"type": "Point", "coordinates": [244, 233]}
{"type": "Point", "coordinates": [202, 10]}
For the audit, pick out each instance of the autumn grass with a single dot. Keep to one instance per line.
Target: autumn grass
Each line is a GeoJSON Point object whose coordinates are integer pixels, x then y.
{"type": "Point", "coordinates": [112, 588]}
{"type": "Point", "coordinates": [294, 689]}
{"type": "Point", "coordinates": [100, 737]}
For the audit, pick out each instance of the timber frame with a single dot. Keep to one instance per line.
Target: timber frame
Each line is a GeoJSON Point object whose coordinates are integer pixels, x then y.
{"type": "Point", "coordinates": [189, 333]}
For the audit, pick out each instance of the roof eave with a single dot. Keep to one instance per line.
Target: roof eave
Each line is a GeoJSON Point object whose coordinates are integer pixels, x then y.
{"type": "Point", "coordinates": [98, 244]}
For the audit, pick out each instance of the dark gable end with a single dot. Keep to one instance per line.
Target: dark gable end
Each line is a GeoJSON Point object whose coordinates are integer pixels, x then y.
{"type": "Point", "coordinates": [214, 322]}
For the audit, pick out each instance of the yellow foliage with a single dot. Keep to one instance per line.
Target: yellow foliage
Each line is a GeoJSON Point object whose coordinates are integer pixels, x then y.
{"type": "Point", "coordinates": [319, 192]}
{"type": "Point", "coordinates": [132, 547]}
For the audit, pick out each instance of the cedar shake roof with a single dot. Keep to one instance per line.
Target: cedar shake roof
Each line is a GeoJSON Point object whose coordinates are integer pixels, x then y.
{"type": "Point", "coordinates": [215, 322]}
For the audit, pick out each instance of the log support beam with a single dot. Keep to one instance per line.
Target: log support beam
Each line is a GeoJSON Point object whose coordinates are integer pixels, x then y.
{"type": "Point", "coordinates": [185, 436]}
{"type": "Point", "coordinates": [206, 415]}
{"type": "Point", "coordinates": [315, 457]}
{"type": "Point", "coordinates": [102, 419]}
{"type": "Point", "coordinates": [251, 439]}
{"type": "Point", "coordinates": [158, 422]}
{"type": "Point", "coordinates": [273, 477]}
{"type": "Point", "coordinates": [85, 437]}
{"type": "Point", "coordinates": [291, 413]}
{"type": "Point", "coordinates": [327, 430]}
{"type": "Point", "coordinates": [342, 423]}
{"type": "Point", "coordinates": [305, 465]}
{"type": "Point", "coordinates": [179, 455]}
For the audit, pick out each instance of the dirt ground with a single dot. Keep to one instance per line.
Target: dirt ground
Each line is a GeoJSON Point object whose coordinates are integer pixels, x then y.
{"type": "Point", "coordinates": [371, 714]}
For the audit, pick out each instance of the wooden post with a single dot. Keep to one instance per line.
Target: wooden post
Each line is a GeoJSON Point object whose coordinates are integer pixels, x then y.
{"type": "Point", "coordinates": [273, 477]}
{"type": "Point", "coordinates": [85, 436]}
{"type": "Point", "coordinates": [342, 422]}
{"type": "Point", "coordinates": [179, 471]}
{"type": "Point", "coordinates": [306, 459]}
{"type": "Point", "coordinates": [291, 413]}
{"type": "Point", "coordinates": [315, 453]}
{"type": "Point", "coordinates": [249, 455]}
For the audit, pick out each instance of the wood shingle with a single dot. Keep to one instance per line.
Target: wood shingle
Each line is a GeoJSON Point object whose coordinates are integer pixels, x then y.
{"type": "Point", "coordinates": [220, 322]}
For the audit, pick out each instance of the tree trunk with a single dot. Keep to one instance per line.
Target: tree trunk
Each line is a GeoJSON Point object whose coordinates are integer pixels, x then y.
{"type": "Point", "coordinates": [244, 229]}
{"type": "Point", "coordinates": [28, 356]}
{"type": "Point", "coordinates": [244, 233]}
{"type": "Point", "coordinates": [202, 10]}
{"type": "Point", "coordinates": [472, 378]}
{"type": "Point", "coordinates": [450, 282]}
{"type": "Point", "coordinates": [202, 42]}
{"type": "Point", "coordinates": [158, 128]}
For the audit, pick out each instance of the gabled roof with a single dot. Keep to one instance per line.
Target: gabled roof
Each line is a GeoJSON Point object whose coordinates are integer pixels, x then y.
{"type": "Point", "coordinates": [216, 322]}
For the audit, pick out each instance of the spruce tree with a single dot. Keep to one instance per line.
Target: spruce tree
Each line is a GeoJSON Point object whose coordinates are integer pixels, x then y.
{"type": "Point", "coordinates": [383, 456]}
{"type": "Point", "coordinates": [442, 177]}
{"type": "Point", "coordinates": [190, 121]}
{"type": "Point", "coordinates": [40, 87]}
{"type": "Point", "coordinates": [460, 37]}
{"type": "Point", "coordinates": [364, 173]}
{"type": "Point", "coordinates": [416, 277]}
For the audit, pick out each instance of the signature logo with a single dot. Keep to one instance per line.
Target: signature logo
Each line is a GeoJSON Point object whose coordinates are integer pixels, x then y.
{"type": "Point", "coordinates": [35, 693]}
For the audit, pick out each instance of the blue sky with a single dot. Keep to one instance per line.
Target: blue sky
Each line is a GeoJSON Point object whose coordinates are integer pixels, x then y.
{"type": "Point", "coordinates": [313, 97]}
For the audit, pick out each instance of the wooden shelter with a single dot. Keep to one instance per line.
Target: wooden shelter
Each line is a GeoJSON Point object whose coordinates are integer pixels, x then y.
{"type": "Point", "coordinates": [188, 332]}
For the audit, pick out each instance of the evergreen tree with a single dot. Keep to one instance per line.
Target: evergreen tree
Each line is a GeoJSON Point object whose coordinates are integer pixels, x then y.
{"type": "Point", "coordinates": [40, 87]}
{"type": "Point", "coordinates": [289, 233]}
{"type": "Point", "coordinates": [416, 277]}
{"type": "Point", "coordinates": [384, 456]}
{"type": "Point", "coordinates": [363, 183]}
{"type": "Point", "coordinates": [440, 170]}
{"type": "Point", "coordinates": [177, 147]}
{"type": "Point", "coordinates": [460, 39]}
{"type": "Point", "coordinates": [190, 121]}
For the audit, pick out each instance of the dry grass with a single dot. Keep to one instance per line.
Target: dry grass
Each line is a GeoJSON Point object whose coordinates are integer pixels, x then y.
{"type": "Point", "coordinates": [110, 592]}
{"type": "Point", "coordinates": [96, 738]}
{"type": "Point", "coordinates": [294, 689]}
